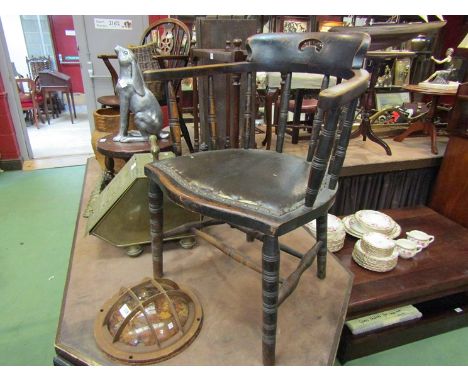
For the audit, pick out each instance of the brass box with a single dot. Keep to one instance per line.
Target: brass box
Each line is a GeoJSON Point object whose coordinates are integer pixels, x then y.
{"type": "Point", "coordinates": [120, 213]}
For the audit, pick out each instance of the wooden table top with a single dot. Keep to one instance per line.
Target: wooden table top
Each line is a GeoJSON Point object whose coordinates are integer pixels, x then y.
{"type": "Point", "coordinates": [424, 90]}
{"type": "Point", "coordinates": [440, 269]}
{"type": "Point", "coordinates": [106, 146]}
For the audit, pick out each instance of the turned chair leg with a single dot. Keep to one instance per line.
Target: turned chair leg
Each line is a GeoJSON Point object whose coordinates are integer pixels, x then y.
{"type": "Point", "coordinates": [156, 227]}
{"type": "Point", "coordinates": [322, 253]}
{"type": "Point", "coordinates": [270, 266]}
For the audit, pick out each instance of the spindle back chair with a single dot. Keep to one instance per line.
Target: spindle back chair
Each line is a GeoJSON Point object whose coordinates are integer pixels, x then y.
{"type": "Point", "coordinates": [266, 193]}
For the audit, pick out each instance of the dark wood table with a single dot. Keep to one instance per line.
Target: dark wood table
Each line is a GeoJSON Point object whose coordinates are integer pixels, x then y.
{"type": "Point", "coordinates": [426, 123]}
{"type": "Point", "coordinates": [53, 81]}
{"type": "Point", "coordinates": [436, 278]}
{"type": "Point", "coordinates": [111, 150]}
{"type": "Point", "coordinates": [377, 60]}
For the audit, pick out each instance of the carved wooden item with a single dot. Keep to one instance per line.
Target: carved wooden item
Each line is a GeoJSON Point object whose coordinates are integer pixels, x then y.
{"type": "Point", "coordinates": [264, 193]}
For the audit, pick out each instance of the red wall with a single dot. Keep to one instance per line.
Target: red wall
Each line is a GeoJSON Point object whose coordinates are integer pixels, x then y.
{"type": "Point", "coordinates": [153, 19]}
{"type": "Point", "coordinates": [9, 148]}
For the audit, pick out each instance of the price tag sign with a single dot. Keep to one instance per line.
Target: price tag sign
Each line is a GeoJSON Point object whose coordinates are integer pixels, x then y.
{"type": "Point", "coordinates": [113, 24]}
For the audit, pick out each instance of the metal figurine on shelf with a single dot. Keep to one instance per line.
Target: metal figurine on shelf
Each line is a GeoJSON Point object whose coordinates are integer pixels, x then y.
{"type": "Point", "coordinates": [135, 97]}
{"type": "Point", "coordinates": [443, 76]}
{"type": "Point", "coordinates": [386, 79]}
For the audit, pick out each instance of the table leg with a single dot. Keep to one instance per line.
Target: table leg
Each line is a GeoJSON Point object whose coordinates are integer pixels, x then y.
{"type": "Point", "coordinates": [270, 99]}
{"type": "Point", "coordinates": [431, 130]}
{"type": "Point", "coordinates": [357, 132]}
{"type": "Point", "coordinates": [109, 173]}
{"type": "Point", "coordinates": [413, 128]}
{"type": "Point", "coordinates": [268, 131]}
{"type": "Point", "coordinates": [374, 138]}
{"type": "Point", "coordinates": [70, 107]}
{"type": "Point", "coordinates": [425, 125]}
{"type": "Point", "coordinates": [45, 94]}
{"type": "Point", "coordinates": [73, 102]}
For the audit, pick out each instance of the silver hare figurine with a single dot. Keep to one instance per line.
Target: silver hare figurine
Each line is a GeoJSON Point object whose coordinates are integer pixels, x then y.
{"type": "Point", "coordinates": [137, 98]}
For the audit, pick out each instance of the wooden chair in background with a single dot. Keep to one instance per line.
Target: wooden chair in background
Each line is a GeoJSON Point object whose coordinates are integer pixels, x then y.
{"type": "Point", "coordinates": [31, 99]}
{"type": "Point", "coordinates": [164, 44]}
{"type": "Point", "coordinates": [265, 194]}
{"type": "Point", "coordinates": [38, 64]}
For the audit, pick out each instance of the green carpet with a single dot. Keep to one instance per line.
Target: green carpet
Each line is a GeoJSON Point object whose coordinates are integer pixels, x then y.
{"type": "Point", "coordinates": [38, 211]}
{"type": "Point", "coordinates": [37, 220]}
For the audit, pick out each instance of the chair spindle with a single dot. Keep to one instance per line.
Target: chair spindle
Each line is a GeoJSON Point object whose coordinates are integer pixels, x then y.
{"type": "Point", "coordinates": [320, 159]}
{"type": "Point", "coordinates": [338, 160]}
{"type": "Point", "coordinates": [212, 115]}
{"type": "Point", "coordinates": [283, 114]}
{"type": "Point", "coordinates": [196, 128]}
{"type": "Point", "coordinates": [248, 112]}
{"type": "Point", "coordinates": [342, 112]}
{"type": "Point", "coordinates": [317, 123]}
{"type": "Point", "coordinates": [227, 143]}
{"type": "Point", "coordinates": [236, 82]}
{"type": "Point", "coordinates": [174, 120]}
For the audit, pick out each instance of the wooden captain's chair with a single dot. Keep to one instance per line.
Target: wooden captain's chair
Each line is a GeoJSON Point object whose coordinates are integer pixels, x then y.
{"type": "Point", "coordinates": [266, 193]}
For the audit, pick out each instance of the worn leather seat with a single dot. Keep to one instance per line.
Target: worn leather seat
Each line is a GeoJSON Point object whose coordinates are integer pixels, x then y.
{"type": "Point", "coordinates": [266, 184]}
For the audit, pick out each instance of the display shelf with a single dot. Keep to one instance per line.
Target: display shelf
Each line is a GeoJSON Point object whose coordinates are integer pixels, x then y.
{"type": "Point", "coordinates": [435, 281]}
{"type": "Point", "coordinates": [439, 316]}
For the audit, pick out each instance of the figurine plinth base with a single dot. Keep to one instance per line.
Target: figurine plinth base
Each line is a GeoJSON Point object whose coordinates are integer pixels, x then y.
{"type": "Point", "coordinates": [434, 86]}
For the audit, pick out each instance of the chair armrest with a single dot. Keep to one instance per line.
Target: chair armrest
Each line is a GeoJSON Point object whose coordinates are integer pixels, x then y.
{"type": "Point", "coordinates": [345, 92]}
{"type": "Point", "coordinates": [197, 71]}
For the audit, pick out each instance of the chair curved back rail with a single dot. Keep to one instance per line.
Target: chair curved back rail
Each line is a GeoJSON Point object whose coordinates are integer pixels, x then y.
{"type": "Point", "coordinates": [330, 54]}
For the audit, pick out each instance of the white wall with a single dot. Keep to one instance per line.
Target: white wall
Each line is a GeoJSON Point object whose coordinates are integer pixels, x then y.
{"type": "Point", "coordinates": [15, 41]}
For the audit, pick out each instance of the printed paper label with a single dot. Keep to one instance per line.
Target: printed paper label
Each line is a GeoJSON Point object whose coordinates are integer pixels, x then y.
{"type": "Point", "coordinates": [113, 24]}
{"type": "Point", "coordinates": [124, 310]}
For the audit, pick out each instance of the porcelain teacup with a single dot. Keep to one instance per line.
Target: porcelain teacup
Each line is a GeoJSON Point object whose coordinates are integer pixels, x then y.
{"type": "Point", "coordinates": [407, 248]}
{"type": "Point", "coordinates": [420, 237]}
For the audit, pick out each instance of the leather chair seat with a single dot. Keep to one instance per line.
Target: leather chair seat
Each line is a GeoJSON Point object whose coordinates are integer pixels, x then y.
{"type": "Point", "coordinates": [263, 184]}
